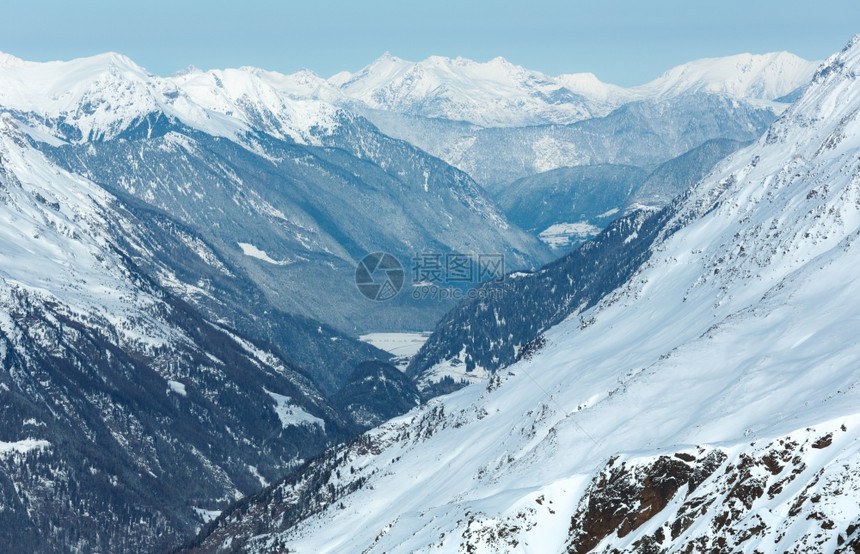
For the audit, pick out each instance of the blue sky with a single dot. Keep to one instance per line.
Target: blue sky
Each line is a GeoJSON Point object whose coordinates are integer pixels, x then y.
{"type": "Point", "coordinates": [623, 42]}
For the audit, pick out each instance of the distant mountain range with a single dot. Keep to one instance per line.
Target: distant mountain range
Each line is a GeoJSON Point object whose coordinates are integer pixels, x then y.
{"type": "Point", "coordinates": [569, 205]}
{"type": "Point", "coordinates": [500, 94]}
{"type": "Point", "coordinates": [500, 122]}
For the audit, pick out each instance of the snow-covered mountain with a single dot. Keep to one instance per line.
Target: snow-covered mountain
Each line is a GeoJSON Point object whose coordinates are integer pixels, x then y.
{"type": "Point", "coordinates": [710, 403]}
{"type": "Point", "coordinates": [500, 122]}
{"type": "Point", "coordinates": [762, 77]}
{"type": "Point", "coordinates": [492, 94]}
{"type": "Point", "coordinates": [99, 97]}
{"type": "Point", "coordinates": [459, 110]}
{"type": "Point", "coordinates": [500, 94]}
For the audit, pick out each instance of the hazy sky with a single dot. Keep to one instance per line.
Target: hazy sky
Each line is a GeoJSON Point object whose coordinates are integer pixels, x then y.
{"type": "Point", "coordinates": [623, 42]}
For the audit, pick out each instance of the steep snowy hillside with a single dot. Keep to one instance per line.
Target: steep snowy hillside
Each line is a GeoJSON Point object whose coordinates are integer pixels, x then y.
{"type": "Point", "coordinates": [507, 319]}
{"type": "Point", "coordinates": [710, 404]}
{"type": "Point", "coordinates": [125, 414]}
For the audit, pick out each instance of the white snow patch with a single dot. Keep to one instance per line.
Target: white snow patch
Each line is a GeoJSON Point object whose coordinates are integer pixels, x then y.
{"type": "Point", "coordinates": [207, 515]}
{"type": "Point", "coordinates": [290, 414]}
{"type": "Point", "coordinates": [257, 476]}
{"type": "Point", "coordinates": [455, 368]}
{"type": "Point", "coordinates": [254, 252]}
{"type": "Point", "coordinates": [608, 213]}
{"type": "Point", "coordinates": [400, 345]}
{"type": "Point", "coordinates": [177, 387]}
{"type": "Point", "coordinates": [562, 235]}
{"type": "Point", "coordinates": [22, 446]}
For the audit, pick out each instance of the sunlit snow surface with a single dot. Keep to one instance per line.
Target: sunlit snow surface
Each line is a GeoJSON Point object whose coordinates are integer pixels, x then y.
{"type": "Point", "coordinates": [115, 93]}
{"type": "Point", "coordinates": [739, 331]}
{"type": "Point", "coordinates": [290, 414]}
{"type": "Point", "coordinates": [54, 245]}
{"type": "Point", "coordinates": [304, 107]}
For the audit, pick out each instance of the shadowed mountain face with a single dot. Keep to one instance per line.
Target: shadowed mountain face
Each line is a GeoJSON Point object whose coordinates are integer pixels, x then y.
{"type": "Point", "coordinates": [376, 392]}
{"type": "Point", "coordinates": [298, 218]}
{"type": "Point", "coordinates": [643, 133]}
{"type": "Point", "coordinates": [567, 206]}
{"type": "Point", "coordinates": [117, 395]}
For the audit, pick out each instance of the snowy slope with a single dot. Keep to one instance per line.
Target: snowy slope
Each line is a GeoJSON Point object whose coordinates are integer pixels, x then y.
{"type": "Point", "coordinates": [710, 404]}
{"type": "Point", "coordinates": [112, 390]}
{"type": "Point", "coordinates": [257, 100]}
{"type": "Point", "coordinates": [54, 239]}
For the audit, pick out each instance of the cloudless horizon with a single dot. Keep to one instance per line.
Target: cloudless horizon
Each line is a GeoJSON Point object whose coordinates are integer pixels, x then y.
{"type": "Point", "coordinates": [623, 42]}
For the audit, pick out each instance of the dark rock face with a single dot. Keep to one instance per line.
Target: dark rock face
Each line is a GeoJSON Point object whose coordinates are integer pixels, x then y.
{"type": "Point", "coordinates": [622, 499]}
{"type": "Point", "coordinates": [376, 392]}
{"type": "Point", "coordinates": [718, 493]}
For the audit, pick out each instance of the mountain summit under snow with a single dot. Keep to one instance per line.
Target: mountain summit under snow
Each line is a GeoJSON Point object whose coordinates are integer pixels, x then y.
{"type": "Point", "coordinates": [709, 404]}
{"type": "Point", "coordinates": [100, 97]}
{"type": "Point", "coordinates": [498, 93]}
{"type": "Point", "coordinates": [495, 93]}
{"type": "Point", "coordinates": [763, 77]}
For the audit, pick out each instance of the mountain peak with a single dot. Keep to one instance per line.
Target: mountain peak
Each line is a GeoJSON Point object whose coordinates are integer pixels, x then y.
{"type": "Point", "coordinates": [500, 60]}
{"type": "Point", "coordinates": [112, 60]}
{"type": "Point", "coordinates": [8, 60]}
{"type": "Point", "coordinates": [756, 76]}
{"type": "Point", "coordinates": [188, 70]}
{"type": "Point", "coordinates": [387, 57]}
{"type": "Point", "coordinates": [848, 57]}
